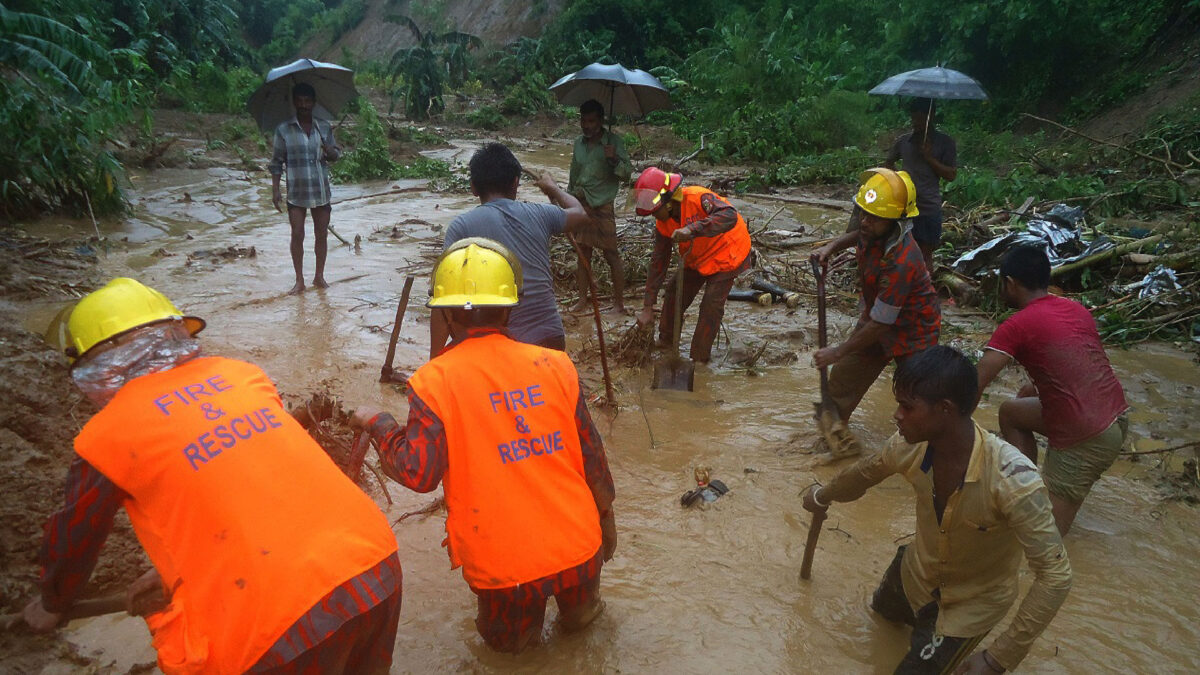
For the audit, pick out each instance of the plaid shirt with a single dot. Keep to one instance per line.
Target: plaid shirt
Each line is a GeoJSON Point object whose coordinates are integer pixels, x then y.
{"type": "Point", "coordinates": [75, 535]}
{"type": "Point", "coordinates": [307, 172]}
{"type": "Point", "coordinates": [897, 290]}
{"type": "Point", "coordinates": [416, 456]}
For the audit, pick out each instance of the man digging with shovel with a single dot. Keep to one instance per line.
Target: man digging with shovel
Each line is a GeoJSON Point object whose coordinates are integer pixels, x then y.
{"type": "Point", "coordinates": [714, 245]}
{"type": "Point", "coordinates": [269, 557]}
{"type": "Point", "coordinates": [899, 313]}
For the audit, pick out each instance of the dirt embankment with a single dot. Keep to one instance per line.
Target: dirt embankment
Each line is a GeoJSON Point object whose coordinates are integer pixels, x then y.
{"type": "Point", "coordinates": [40, 414]}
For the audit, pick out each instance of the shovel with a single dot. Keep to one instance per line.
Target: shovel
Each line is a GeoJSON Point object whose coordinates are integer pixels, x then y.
{"type": "Point", "coordinates": [676, 372]}
{"type": "Point", "coordinates": [833, 429]}
{"type": "Point", "coordinates": [385, 373]}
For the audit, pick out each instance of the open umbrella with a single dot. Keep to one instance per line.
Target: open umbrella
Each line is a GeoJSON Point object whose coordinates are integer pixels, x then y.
{"type": "Point", "coordinates": [271, 104]}
{"type": "Point", "coordinates": [627, 92]}
{"type": "Point", "coordinates": [936, 82]}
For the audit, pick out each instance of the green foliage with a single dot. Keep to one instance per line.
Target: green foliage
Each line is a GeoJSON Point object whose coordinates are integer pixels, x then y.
{"type": "Point", "coordinates": [838, 166]}
{"type": "Point", "coordinates": [422, 69]}
{"type": "Point", "coordinates": [369, 158]}
{"type": "Point", "coordinates": [208, 87]}
{"type": "Point", "coordinates": [528, 97]}
{"type": "Point", "coordinates": [487, 117]}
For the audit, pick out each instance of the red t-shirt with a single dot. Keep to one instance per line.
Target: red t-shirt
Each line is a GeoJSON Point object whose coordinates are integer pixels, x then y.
{"type": "Point", "coordinates": [1055, 339]}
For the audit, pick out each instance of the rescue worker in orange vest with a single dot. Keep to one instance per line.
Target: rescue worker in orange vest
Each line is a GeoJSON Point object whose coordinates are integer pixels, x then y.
{"type": "Point", "coordinates": [713, 242]}
{"type": "Point", "coordinates": [269, 558]}
{"type": "Point", "coordinates": [503, 425]}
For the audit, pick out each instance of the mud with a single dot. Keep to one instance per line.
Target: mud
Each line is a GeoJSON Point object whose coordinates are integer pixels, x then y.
{"type": "Point", "coordinates": [696, 590]}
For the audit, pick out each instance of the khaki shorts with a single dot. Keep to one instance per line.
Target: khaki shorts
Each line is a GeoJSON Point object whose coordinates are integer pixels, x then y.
{"type": "Point", "coordinates": [1070, 472]}
{"type": "Point", "coordinates": [602, 233]}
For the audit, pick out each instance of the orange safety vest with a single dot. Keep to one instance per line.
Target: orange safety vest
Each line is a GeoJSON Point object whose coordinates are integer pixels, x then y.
{"type": "Point", "coordinates": [244, 516]}
{"type": "Point", "coordinates": [707, 255]}
{"type": "Point", "coordinates": [519, 507]}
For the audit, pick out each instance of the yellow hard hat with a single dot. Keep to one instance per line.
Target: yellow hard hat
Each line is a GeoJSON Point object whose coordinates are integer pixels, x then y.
{"type": "Point", "coordinates": [120, 306]}
{"type": "Point", "coordinates": [476, 272]}
{"type": "Point", "coordinates": [887, 194]}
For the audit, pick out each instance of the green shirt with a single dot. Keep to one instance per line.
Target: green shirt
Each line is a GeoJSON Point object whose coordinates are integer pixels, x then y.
{"type": "Point", "coordinates": [593, 178]}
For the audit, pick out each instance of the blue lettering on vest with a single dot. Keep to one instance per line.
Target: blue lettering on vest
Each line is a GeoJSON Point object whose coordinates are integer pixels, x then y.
{"type": "Point", "coordinates": [523, 448]}
{"type": "Point", "coordinates": [242, 428]}
{"type": "Point", "coordinates": [191, 393]}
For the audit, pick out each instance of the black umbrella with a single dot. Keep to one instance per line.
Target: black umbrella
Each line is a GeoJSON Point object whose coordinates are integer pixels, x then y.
{"type": "Point", "coordinates": [936, 82]}
{"type": "Point", "coordinates": [271, 104]}
{"type": "Point", "coordinates": [628, 92]}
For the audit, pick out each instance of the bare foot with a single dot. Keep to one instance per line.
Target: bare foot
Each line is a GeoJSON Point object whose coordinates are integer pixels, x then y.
{"type": "Point", "coordinates": [582, 306]}
{"type": "Point", "coordinates": [297, 289]}
{"type": "Point", "coordinates": [320, 282]}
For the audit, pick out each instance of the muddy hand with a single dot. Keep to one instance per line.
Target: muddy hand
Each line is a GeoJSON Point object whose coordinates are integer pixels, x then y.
{"type": "Point", "coordinates": [276, 199]}
{"type": "Point", "coordinates": [363, 416]}
{"type": "Point", "coordinates": [825, 357]}
{"type": "Point", "coordinates": [145, 595]}
{"type": "Point", "coordinates": [821, 255]}
{"type": "Point", "coordinates": [546, 184]}
{"type": "Point", "coordinates": [810, 500]}
{"type": "Point", "coordinates": [38, 618]}
{"type": "Point", "coordinates": [682, 234]}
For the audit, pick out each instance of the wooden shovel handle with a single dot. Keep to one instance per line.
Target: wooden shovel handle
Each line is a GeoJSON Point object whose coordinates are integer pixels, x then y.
{"type": "Point", "coordinates": [385, 374]}
{"type": "Point", "coordinates": [810, 545]}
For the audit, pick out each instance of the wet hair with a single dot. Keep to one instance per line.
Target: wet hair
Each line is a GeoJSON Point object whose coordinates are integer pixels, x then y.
{"type": "Point", "coordinates": [1028, 265]}
{"type": "Point", "coordinates": [937, 374]}
{"type": "Point", "coordinates": [922, 105]}
{"type": "Point", "coordinates": [482, 317]}
{"type": "Point", "coordinates": [591, 107]}
{"type": "Point", "coordinates": [304, 89]}
{"type": "Point", "coordinates": [494, 169]}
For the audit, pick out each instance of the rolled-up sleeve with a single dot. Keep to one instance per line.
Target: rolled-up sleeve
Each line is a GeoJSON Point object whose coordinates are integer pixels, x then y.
{"type": "Point", "coordinates": [867, 472]}
{"type": "Point", "coordinates": [414, 455]}
{"type": "Point", "coordinates": [1032, 521]}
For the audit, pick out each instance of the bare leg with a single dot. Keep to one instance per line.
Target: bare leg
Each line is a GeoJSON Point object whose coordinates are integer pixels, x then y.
{"type": "Point", "coordinates": [321, 242]}
{"type": "Point", "coordinates": [581, 279]}
{"type": "Point", "coordinates": [1064, 513]}
{"type": "Point", "coordinates": [296, 220]}
{"type": "Point", "coordinates": [1019, 419]}
{"type": "Point", "coordinates": [617, 266]}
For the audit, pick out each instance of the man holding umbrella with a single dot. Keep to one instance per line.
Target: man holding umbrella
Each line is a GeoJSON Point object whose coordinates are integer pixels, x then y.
{"type": "Point", "coordinates": [306, 145]}
{"type": "Point", "coordinates": [929, 157]}
{"type": "Point", "coordinates": [599, 164]}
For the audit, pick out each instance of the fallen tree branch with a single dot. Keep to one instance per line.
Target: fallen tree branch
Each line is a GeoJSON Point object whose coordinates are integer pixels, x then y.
{"type": "Point", "coordinates": [1167, 163]}
{"type": "Point", "coordinates": [1161, 451]}
{"type": "Point", "coordinates": [1106, 255]}
{"type": "Point", "coordinates": [807, 201]}
{"type": "Point", "coordinates": [689, 157]}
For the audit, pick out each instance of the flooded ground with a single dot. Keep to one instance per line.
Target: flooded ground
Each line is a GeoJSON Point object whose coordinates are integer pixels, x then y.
{"type": "Point", "coordinates": [702, 590]}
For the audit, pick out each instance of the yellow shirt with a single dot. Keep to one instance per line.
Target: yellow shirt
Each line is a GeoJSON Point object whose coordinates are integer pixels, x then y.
{"type": "Point", "coordinates": [970, 559]}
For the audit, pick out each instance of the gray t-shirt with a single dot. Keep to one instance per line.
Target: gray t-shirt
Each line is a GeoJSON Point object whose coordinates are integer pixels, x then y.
{"type": "Point", "coordinates": [525, 229]}
{"type": "Point", "coordinates": [929, 190]}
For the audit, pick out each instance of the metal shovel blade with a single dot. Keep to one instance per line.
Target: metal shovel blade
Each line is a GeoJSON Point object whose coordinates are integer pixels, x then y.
{"type": "Point", "coordinates": [675, 373]}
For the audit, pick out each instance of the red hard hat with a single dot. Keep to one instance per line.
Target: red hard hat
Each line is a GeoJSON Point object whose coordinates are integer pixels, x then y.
{"type": "Point", "coordinates": [651, 187]}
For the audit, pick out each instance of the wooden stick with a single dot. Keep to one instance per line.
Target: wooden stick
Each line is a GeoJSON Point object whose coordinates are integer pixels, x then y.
{"type": "Point", "coordinates": [593, 293]}
{"type": "Point", "coordinates": [810, 544]}
{"type": "Point", "coordinates": [385, 373]}
{"type": "Point", "coordinates": [335, 233]}
{"type": "Point", "coordinates": [1160, 451]}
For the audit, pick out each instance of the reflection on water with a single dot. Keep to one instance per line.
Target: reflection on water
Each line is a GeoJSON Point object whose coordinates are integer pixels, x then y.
{"type": "Point", "coordinates": [699, 590]}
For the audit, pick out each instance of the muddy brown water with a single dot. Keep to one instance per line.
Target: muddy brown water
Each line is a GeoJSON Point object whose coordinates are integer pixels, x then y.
{"type": "Point", "coordinates": [702, 590]}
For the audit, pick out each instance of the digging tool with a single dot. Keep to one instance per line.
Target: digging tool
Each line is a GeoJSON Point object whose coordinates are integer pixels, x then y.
{"type": "Point", "coordinates": [385, 373]}
{"type": "Point", "coordinates": [593, 294]}
{"type": "Point", "coordinates": [358, 453]}
{"type": "Point", "coordinates": [85, 609]}
{"type": "Point", "coordinates": [837, 435]}
{"type": "Point", "coordinates": [676, 372]}
{"type": "Point", "coordinates": [810, 544]}
{"type": "Point", "coordinates": [780, 294]}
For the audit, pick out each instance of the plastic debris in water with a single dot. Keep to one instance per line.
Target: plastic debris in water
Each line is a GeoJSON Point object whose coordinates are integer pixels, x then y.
{"type": "Point", "coordinates": [706, 490]}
